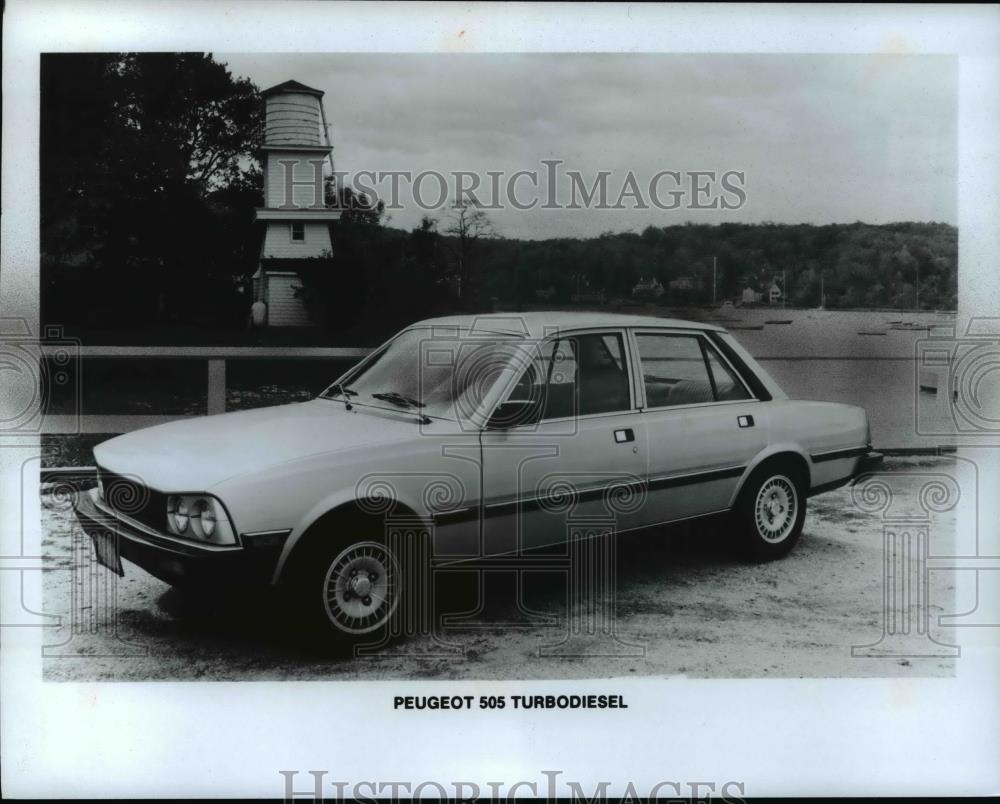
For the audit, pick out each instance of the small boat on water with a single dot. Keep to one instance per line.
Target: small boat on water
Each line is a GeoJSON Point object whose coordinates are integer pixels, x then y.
{"type": "Point", "coordinates": [872, 332]}
{"type": "Point", "coordinates": [778, 321]}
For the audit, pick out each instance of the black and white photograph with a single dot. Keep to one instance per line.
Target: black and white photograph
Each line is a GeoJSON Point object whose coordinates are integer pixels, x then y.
{"type": "Point", "coordinates": [475, 376]}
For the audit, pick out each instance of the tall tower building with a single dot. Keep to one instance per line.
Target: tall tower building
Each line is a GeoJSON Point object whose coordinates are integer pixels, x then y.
{"type": "Point", "coordinates": [297, 234]}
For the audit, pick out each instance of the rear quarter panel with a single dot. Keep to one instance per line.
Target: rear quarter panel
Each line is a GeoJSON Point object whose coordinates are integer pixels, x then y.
{"type": "Point", "coordinates": [815, 428]}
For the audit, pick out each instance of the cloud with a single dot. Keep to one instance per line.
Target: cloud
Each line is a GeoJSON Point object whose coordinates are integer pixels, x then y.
{"type": "Point", "coordinates": [821, 138]}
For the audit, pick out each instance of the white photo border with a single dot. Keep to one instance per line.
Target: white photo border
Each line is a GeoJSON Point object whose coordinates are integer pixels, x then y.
{"type": "Point", "coordinates": [779, 737]}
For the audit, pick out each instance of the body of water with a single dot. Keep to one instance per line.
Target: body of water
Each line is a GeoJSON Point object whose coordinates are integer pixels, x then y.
{"type": "Point", "coordinates": [834, 356]}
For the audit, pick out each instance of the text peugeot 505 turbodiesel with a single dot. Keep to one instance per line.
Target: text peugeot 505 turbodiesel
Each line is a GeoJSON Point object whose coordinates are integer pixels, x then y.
{"type": "Point", "coordinates": [466, 437]}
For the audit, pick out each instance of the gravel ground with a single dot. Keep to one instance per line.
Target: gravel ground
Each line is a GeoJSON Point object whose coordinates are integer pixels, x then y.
{"type": "Point", "coordinates": [684, 606]}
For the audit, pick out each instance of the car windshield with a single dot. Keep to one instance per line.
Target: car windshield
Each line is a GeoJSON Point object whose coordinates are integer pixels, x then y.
{"type": "Point", "coordinates": [432, 374]}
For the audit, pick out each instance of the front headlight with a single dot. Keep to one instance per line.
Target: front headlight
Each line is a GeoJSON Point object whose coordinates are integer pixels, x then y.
{"type": "Point", "coordinates": [204, 517]}
{"type": "Point", "coordinates": [200, 517]}
{"type": "Point", "coordinates": [177, 514]}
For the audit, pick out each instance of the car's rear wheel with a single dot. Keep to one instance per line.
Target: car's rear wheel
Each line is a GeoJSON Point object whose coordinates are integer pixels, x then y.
{"type": "Point", "coordinates": [771, 512]}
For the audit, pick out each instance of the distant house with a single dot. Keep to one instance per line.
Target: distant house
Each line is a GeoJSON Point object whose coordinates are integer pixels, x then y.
{"type": "Point", "coordinates": [751, 296]}
{"type": "Point", "coordinates": [684, 284]}
{"type": "Point", "coordinates": [452, 284]}
{"type": "Point", "coordinates": [647, 288]}
{"type": "Point", "coordinates": [585, 294]}
{"type": "Point", "coordinates": [774, 293]}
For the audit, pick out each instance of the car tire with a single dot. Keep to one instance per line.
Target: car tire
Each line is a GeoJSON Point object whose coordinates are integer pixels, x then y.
{"type": "Point", "coordinates": [348, 588]}
{"type": "Point", "coordinates": [770, 512]}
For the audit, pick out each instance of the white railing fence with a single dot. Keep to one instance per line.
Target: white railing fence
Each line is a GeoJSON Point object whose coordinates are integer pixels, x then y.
{"type": "Point", "coordinates": [215, 357]}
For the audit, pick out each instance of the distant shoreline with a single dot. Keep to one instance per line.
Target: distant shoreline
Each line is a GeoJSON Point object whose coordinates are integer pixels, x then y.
{"type": "Point", "coordinates": [711, 307]}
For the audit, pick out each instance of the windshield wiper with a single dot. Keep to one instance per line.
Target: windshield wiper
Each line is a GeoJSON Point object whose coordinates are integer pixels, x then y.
{"type": "Point", "coordinates": [338, 389]}
{"type": "Point", "coordinates": [396, 398]}
{"type": "Point", "coordinates": [341, 390]}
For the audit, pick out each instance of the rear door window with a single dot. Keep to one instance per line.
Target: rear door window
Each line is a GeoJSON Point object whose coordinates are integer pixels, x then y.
{"type": "Point", "coordinates": [684, 370]}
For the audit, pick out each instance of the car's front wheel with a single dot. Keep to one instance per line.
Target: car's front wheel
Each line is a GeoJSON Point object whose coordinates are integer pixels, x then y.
{"type": "Point", "coordinates": [771, 512]}
{"type": "Point", "coordinates": [360, 588]}
{"type": "Point", "coordinates": [347, 585]}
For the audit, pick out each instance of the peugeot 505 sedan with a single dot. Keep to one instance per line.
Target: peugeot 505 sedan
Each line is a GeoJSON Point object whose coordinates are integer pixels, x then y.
{"type": "Point", "coordinates": [464, 438]}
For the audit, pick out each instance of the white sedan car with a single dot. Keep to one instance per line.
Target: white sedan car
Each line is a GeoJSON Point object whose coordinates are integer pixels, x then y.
{"type": "Point", "coordinates": [467, 438]}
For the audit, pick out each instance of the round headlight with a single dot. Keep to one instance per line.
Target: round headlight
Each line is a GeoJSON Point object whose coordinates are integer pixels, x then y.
{"type": "Point", "coordinates": [206, 517]}
{"type": "Point", "coordinates": [177, 511]}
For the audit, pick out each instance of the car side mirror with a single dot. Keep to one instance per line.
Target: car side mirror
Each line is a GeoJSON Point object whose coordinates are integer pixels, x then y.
{"type": "Point", "coordinates": [513, 413]}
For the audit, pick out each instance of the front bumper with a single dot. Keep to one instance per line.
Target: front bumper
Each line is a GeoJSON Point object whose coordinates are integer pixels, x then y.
{"type": "Point", "coordinates": [170, 560]}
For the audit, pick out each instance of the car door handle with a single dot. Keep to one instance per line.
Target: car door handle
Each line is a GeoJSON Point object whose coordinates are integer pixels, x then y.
{"type": "Point", "coordinates": [624, 436]}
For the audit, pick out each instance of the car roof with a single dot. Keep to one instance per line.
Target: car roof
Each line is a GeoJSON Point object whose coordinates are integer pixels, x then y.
{"type": "Point", "coordinates": [541, 323]}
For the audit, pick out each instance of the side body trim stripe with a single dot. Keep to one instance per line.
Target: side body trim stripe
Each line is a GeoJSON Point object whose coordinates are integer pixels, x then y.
{"type": "Point", "coordinates": [833, 455]}
{"type": "Point", "coordinates": [510, 506]}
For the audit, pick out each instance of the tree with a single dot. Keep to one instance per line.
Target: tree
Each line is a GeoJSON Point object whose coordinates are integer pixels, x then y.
{"type": "Point", "coordinates": [194, 120]}
{"type": "Point", "coordinates": [855, 265]}
{"type": "Point", "coordinates": [426, 253]}
{"type": "Point", "coordinates": [140, 155]}
{"type": "Point", "coordinates": [336, 286]}
{"type": "Point", "coordinates": [468, 224]}
{"type": "Point", "coordinates": [354, 207]}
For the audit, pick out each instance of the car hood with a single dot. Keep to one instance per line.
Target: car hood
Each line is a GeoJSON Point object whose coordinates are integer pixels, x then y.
{"type": "Point", "coordinates": [197, 454]}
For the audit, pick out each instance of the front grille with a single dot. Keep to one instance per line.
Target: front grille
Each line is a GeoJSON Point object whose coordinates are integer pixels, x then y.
{"type": "Point", "coordinates": [129, 496]}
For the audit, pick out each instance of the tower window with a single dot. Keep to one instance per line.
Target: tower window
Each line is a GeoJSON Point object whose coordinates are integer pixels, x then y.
{"type": "Point", "coordinates": [298, 231]}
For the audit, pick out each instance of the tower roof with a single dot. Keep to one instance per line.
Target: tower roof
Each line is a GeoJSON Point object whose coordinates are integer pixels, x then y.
{"type": "Point", "coordinates": [291, 86]}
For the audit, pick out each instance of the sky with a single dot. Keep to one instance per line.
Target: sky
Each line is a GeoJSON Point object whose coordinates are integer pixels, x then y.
{"type": "Point", "coordinates": [818, 138]}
